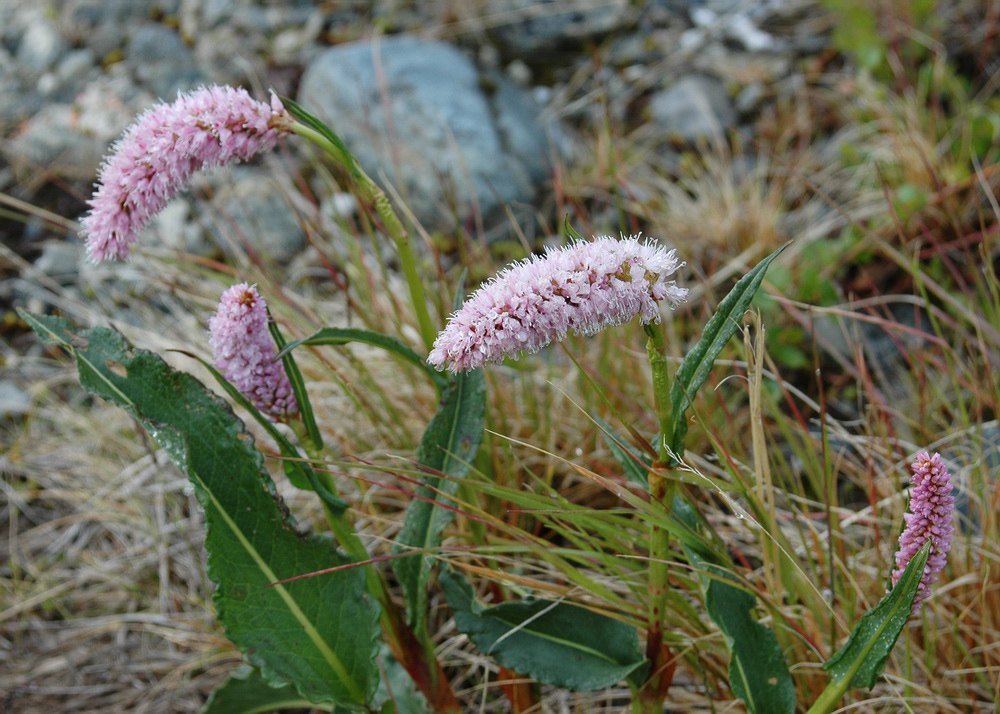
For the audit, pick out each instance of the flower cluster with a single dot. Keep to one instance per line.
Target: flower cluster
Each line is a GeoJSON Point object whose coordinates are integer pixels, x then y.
{"type": "Point", "coordinates": [928, 519]}
{"type": "Point", "coordinates": [245, 353]}
{"type": "Point", "coordinates": [583, 287]}
{"type": "Point", "coordinates": [159, 152]}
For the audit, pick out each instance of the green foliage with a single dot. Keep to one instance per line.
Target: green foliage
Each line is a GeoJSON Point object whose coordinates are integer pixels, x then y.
{"type": "Point", "coordinates": [758, 673]}
{"type": "Point", "coordinates": [863, 656]}
{"type": "Point", "coordinates": [246, 692]}
{"type": "Point", "coordinates": [345, 335]}
{"type": "Point", "coordinates": [448, 447]}
{"type": "Point", "coordinates": [336, 146]}
{"type": "Point", "coordinates": [300, 473]}
{"type": "Point", "coordinates": [317, 633]}
{"type": "Point", "coordinates": [861, 33]}
{"type": "Point", "coordinates": [557, 643]}
{"type": "Point", "coordinates": [298, 387]}
{"type": "Point", "coordinates": [696, 366]}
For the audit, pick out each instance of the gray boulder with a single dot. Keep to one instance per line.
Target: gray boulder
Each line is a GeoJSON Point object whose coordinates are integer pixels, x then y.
{"type": "Point", "coordinates": [527, 26]}
{"type": "Point", "coordinates": [425, 120]}
{"type": "Point", "coordinates": [252, 211]}
{"type": "Point", "coordinates": [162, 61]}
{"type": "Point", "coordinates": [695, 108]}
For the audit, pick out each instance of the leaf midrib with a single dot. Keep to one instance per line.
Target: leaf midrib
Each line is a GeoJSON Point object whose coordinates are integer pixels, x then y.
{"type": "Point", "coordinates": [335, 664]}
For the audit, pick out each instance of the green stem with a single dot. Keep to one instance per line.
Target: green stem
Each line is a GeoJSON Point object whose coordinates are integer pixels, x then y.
{"type": "Point", "coordinates": [830, 697]}
{"type": "Point", "coordinates": [373, 193]}
{"type": "Point", "coordinates": [661, 491]}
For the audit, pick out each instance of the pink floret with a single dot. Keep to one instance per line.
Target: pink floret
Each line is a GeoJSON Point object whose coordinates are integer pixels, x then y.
{"type": "Point", "coordinates": [159, 152]}
{"type": "Point", "coordinates": [245, 353]}
{"type": "Point", "coordinates": [584, 287]}
{"type": "Point", "coordinates": [928, 519]}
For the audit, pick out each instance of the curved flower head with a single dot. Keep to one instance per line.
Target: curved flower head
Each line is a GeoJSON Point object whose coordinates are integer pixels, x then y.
{"type": "Point", "coordinates": [245, 352]}
{"type": "Point", "coordinates": [928, 519]}
{"type": "Point", "coordinates": [159, 152]}
{"type": "Point", "coordinates": [584, 287]}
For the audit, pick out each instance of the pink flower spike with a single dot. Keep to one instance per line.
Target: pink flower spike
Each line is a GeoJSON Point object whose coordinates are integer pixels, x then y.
{"type": "Point", "coordinates": [928, 519]}
{"type": "Point", "coordinates": [584, 287]}
{"type": "Point", "coordinates": [159, 152]}
{"type": "Point", "coordinates": [245, 352]}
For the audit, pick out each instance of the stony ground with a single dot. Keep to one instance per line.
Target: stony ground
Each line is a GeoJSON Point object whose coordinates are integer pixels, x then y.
{"type": "Point", "coordinates": [473, 111]}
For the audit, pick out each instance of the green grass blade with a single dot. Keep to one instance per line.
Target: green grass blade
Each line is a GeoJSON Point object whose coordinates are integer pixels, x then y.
{"type": "Point", "coordinates": [344, 335]}
{"type": "Point", "coordinates": [298, 386]}
{"type": "Point", "coordinates": [693, 372]}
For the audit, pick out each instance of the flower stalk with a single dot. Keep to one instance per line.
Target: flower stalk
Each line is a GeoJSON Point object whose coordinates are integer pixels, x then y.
{"type": "Point", "coordinates": [661, 491]}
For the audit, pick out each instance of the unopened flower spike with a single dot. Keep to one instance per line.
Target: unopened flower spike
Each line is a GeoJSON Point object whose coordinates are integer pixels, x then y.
{"type": "Point", "coordinates": [928, 519]}
{"type": "Point", "coordinates": [245, 352]}
{"type": "Point", "coordinates": [159, 152]}
{"type": "Point", "coordinates": [584, 287]}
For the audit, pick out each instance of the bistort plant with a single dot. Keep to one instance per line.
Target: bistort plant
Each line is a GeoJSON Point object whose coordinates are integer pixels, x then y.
{"type": "Point", "coordinates": [325, 616]}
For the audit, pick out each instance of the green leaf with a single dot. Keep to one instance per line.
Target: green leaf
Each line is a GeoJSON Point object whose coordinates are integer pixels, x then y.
{"type": "Point", "coordinates": [569, 231]}
{"type": "Point", "coordinates": [448, 446]}
{"type": "Point", "coordinates": [299, 473]}
{"type": "Point", "coordinates": [758, 673]}
{"type": "Point", "coordinates": [694, 371]}
{"type": "Point", "coordinates": [346, 158]}
{"type": "Point", "coordinates": [343, 335]}
{"type": "Point", "coordinates": [863, 656]}
{"type": "Point", "coordinates": [246, 692]}
{"type": "Point", "coordinates": [298, 385]}
{"type": "Point", "coordinates": [397, 693]}
{"type": "Point", "coordinates": [557, 643]}
{"type": "Point", "coordinates": [318, 633]}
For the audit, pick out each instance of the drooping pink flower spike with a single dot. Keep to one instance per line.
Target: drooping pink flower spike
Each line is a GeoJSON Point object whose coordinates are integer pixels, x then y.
{"type": "Point", "coordinates": [584, 287]}
{"type": "Point", "coordinates": [928, 519]}
{"type": "Point", "coordinates": [159, 152]}
{"type": "Point", "coordinates": [245, 352]}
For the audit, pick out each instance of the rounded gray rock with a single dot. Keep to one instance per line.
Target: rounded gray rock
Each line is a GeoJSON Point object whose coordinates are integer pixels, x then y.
{"type": "Point", "coordinates": [253, 210]}
{"type": "Point", "coordinates": [527, 26]}
{"type": "Point", "coordinates": [423, 118]}
{"type": "Point", "coordinates": [162, 61]}
{"type": "Point", "coordinates": [695, 108]}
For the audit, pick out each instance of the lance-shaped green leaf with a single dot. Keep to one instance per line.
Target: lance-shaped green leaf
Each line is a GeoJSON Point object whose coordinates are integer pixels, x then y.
{"type": "Point", "coordinates": [319, 634]}
{"type": "Point", "coordinates": [448, 446]}
{"type": "Point", "coordinates": [860, 661]}
{"type": "Point", "coordinates": [397, 694]}
{"type": "Point", "coordinates": [557, 643]}
{"type": "Point", "coordinates": [345, 335]}
{"type": "Point", "coordinates": [758, 673]}
{"type": "Point", "coordinates": [298, 385]}
{"type": "Point", "coordinates": [337, 145]}
{"type": "Point", "coordinates": [246, 692]}
{"type": "Point", "coordinates": [694, 371]}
